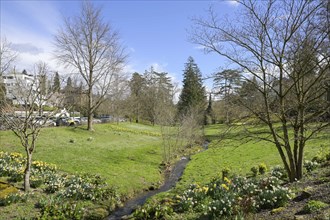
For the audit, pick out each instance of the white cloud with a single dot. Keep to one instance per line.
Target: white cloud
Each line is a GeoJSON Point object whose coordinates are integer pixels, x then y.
{"type": "Point", "coordinates": [26, 48]}
{"type": "Point", "coordinates": [233, 2]}
{"type": "Point", "coordinates": [33, 42]}
{"type": "Point", "coordinates": [129, 69]}
{"type": "Point", "coordinates": [158, 67]}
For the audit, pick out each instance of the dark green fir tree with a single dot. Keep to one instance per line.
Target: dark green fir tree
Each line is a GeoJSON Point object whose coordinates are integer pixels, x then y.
{"type": "Point", "coordinates": [192, 96]}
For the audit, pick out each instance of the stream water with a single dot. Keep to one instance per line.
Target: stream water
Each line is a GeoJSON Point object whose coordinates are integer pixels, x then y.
{"type": "Point", "coordinates": [170, 182]}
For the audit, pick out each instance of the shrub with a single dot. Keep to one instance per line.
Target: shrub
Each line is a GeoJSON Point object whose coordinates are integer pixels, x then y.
{"type": "Point", "coordinates": [314, 206]}
{"type": "Point", "coordinates": [310, 165]}
{"type": "Point", "coordinates": [35, 182]}
{"type": "Point", "coordinates": [153, 211]}
{"type": "Point", "coordinates": [254, 171]}
{"type": "Point", "coordinates": [262, 168]}
{"type": "Point", "coordinates": [279, 172]}
{"type": "Point", "coordinates": [56, 208]}
{"type": "Point", "coordinates": [327, 156]}
{"type": "Point", "coordinates": [12, 198]}
{"type": "Point", "coordinates": [318, 159]}
{"type": "Point", "coordinates": [16, 177]}
{"type": "Point", "coordinates": [53, 182]}
{"type": "Point", "coordinates": [42, 167]}
{"type": "Point", "coordinates": [224, 197]}
{"type": "Point", "coordinates": [225, 172]}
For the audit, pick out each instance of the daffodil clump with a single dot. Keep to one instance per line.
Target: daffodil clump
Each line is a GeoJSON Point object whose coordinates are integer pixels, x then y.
{"type": "Point", "coordinates": [225, 197]}
{"type": "Point", "coordinates": [121, 129]}
{"type": "Point", "coordinates": [12, 165]}
{"type": "Point", "coordinates": [13, 198]}
{"type": "Point", "coordinates": [66, 190]}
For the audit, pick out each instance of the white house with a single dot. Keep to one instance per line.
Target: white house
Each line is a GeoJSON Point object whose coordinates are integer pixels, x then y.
{"type": "Point", "coordinates": [16, 83]}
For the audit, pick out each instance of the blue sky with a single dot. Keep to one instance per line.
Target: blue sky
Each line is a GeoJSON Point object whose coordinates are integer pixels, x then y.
{"type": "Point", "coordinates": [154, 32]}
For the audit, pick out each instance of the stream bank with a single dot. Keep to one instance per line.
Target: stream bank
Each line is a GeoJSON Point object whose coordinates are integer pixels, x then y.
{"type": "Point", "coordinates": [170, 181]}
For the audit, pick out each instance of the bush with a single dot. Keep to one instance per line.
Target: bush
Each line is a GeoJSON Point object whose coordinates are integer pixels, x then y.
{"type": "Point", "coordinates": [225, 172]}
{"type": "Point", "coordinates": [56, 208]}
{"type": "Point", "coordinates": [160, 211]}
{"type": "Point", "coordinates": [53, 182]}
{"type": "Point", "coordinates": [279, 172]}
{"type": "Point", "coordinates": [310, 165]}
{"type": "Point", "coordinates": [314, 206]}
{"type": "Point", "coordinates": [327, 156]}
{"type": "Point", "coordinates": [35, 182]}
{"type": "Point", "coordinates": [262, 168]}
{"type": "Point", "coordinates": [12, 198]}
{"type": "Point", "coordinates": [223, 198]}
{"type": "Point", "coordinates": [16, 177]}
{"type": "Point", "coordinates": [254, 171]}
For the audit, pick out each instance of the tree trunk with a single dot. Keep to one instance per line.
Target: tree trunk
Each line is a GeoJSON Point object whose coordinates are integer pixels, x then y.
{"type": "Point", "coordinates": [89, 110]}
{"type": "Point", "coordinates": [27, 171]}
{"type": "Point", "coordinates": [90, 121]}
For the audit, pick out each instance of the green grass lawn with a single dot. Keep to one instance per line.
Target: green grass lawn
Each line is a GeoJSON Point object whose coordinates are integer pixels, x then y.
{"type": "Point", "coordinates": [127, 159]}
{"type": "Point", "coordinates": [239, 155]}
{"type": "Point", "coordinates": [128, 155]}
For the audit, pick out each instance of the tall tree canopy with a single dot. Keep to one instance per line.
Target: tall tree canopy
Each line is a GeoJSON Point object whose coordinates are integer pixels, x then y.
{"type": "Point", "coordinates": [226, 84]}
{"type": "Point", "coordinates": [193, 92]}
{"type": "Point", "coordinates": [151, 96]}
{"type": "Point", "coordinates": [92, 47]}
{"type": "Point", "coordinates": [56, 83]}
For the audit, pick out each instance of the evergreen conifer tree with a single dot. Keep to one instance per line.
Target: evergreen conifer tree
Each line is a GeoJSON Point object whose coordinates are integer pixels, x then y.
{"type": "Point", "coordinates": [56, 85]}
{"type": "Point", "coordinates": [193, 92]}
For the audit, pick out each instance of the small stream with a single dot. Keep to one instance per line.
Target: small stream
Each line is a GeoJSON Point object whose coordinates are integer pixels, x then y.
{"type": "Point", "coordinates": [170, 181]}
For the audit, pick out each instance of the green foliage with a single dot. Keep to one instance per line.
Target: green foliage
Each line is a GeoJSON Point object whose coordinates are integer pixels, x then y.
{"type": "Point", "coordinates": [279, 172]}
{"type": "Point", "coordinates": [314, 206]}
{"type": "Point", "coordinates": [87, 187]}
{"type": "Point", "coordinates": [193, 93]}
{"type": "Point", "coordinates": [225, 198]}
{"type": "Point", "coordinates": [36, 182]}
{"type": "Point", "coordinates": [56, 208]}
{"type": "Point", "coordinates": [272, 194]}
{"type": "Point", "coordinates": [310, 165]}
{"type": "Point", "coordinates": [322, 155]}
{"type": "Point", "coordinates": [154, 211]}
{"type": "Point", "coordinates": [53, 182]}
{"type": "Point", "coordinates": [225, 172]}
{"type": "Point", "coordinates": [56, 83]}
{"type": "Point", "coordinates": [254, 170]}
{"type": "Point", "coordinates": [12, 198]}
{"type": "Point", "coordinates": [327, 156]}
{"type": "Point", "coordinates": [262, 168]}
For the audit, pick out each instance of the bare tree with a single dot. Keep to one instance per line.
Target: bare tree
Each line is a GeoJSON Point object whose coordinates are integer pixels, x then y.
{"type": "Point", "coordinates": [31, 97]}
{"type": "Point", "coordinates": [281, 45]}
{"type": "Point", "coordinates": [93, 49]}
{"type": "Point", "coordinates": [7, 58]}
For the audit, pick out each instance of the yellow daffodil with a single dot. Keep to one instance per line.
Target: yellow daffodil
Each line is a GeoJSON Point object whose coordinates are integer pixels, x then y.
{"type": "Point", "coordinates": [225, 186]}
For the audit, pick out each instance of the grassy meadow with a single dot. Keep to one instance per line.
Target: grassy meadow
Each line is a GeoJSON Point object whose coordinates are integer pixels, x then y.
{"type": "Point", "coordinates": [239, 155]}
{"type": "Point", "coordinates": [127, 155]}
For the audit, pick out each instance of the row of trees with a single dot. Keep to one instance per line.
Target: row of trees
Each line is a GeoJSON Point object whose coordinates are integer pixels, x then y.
{"type": "Point", "coordinates": [279, 50]}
